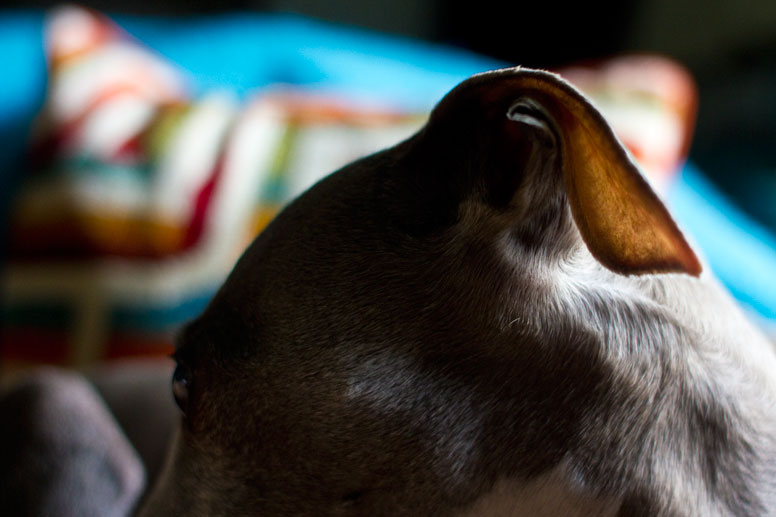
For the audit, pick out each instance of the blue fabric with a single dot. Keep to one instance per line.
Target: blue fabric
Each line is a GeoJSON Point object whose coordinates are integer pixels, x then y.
{"type": "Point", "coordinates": [22, 89]}
{"type": "Point", "coordinates": [243, 52]}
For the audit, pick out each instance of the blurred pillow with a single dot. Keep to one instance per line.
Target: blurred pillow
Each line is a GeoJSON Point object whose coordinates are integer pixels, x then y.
{"type": "Point", "coordinates": [92, 189]}
{"type": "Point", "coordinates": [141, 200]}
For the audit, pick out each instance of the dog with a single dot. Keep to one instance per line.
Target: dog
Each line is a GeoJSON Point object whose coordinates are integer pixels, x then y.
{"type": "Point", "coordinates": [497, 316]}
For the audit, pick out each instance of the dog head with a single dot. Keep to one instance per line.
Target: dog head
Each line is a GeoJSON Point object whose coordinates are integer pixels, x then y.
{"type": "Point", "coordinates": [422, 323]}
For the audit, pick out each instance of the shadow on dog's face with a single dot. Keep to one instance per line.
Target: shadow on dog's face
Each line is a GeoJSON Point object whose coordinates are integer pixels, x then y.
{"type": "Point", "coordinates": [391, 343]}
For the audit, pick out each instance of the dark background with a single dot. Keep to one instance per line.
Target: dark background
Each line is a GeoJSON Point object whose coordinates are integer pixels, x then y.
{"type": "Point", "coordinates": [700, 33]}
{"type": "Point", "coordinates": [730, 47]}
{"type": "Point", "coordinates": [697, 32]}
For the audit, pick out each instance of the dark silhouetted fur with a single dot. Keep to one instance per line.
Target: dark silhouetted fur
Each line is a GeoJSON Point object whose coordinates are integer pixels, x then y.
{"type": "Point", "coordinates": [427, 332]}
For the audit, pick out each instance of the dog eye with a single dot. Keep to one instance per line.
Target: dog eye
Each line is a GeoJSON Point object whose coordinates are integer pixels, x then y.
{"type": "Point", "coordinates": [181, 381]}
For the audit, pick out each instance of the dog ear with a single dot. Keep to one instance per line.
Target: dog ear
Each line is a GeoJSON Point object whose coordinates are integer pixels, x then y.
{"type": "Point", "coordinates": [622, 221]}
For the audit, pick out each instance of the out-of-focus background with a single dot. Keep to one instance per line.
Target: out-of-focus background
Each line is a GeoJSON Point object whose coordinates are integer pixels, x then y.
{"type": "Point", "coordinates": [145, 143]}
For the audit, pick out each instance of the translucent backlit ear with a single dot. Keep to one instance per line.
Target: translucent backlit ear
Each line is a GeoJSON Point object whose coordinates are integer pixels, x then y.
{"type": "Point", "coordinates": [624, 224]}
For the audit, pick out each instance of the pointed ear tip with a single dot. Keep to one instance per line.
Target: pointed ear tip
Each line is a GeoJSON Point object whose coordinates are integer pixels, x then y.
{"type": "Point", "coordinates": [693, 266]}
{"type": "Point", "coordinates": [685, 261]}
{"type": "Point", "coordinates": [682, 260]}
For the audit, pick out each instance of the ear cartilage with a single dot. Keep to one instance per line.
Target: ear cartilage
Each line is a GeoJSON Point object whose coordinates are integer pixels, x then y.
{"type": "Point", "coordinates": [621, 220]}
{"type": "Point", "coordinates": [528, 112]}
